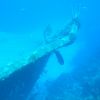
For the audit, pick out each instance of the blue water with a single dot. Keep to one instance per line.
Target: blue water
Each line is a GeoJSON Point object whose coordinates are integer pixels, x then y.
{"type": "Point", "coordinates": [22, 23]}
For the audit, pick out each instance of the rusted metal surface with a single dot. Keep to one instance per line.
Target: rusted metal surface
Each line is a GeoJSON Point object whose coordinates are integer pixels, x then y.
{"type": "Point", "coordinates": [65, 37]}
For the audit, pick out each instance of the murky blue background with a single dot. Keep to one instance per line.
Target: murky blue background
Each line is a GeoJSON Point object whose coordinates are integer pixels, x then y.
{"type": "Point", "coordinates": [22, 23]}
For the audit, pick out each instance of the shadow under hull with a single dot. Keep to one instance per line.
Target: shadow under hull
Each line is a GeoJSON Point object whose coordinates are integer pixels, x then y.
{"type": "Point", "coordinates": [19, 84]}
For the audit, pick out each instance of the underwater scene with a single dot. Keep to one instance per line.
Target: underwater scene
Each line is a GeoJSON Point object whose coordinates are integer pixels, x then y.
{"type": "Point", "coordinates": [49, 50]}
